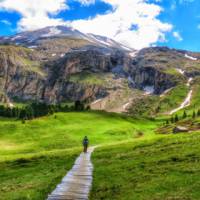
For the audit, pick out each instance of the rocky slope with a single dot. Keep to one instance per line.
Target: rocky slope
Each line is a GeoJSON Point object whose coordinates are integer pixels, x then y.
{"type": "Point", "coordinates": [58, 65]}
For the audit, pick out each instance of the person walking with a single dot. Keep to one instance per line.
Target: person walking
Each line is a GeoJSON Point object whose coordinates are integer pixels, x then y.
{"type": "Point", "coordinates": [85, 144]}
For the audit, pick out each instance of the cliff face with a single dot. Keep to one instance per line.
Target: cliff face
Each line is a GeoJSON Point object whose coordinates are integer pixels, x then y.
{"type": "Point", "coordinates": [151, 77]}
{"type": "Point", "coordinates": [25, 75]}
{"type": "Point", "coordinates": [20, 75]}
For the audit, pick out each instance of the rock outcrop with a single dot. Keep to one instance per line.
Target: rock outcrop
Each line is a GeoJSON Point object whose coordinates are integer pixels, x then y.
{"type": "Point", "coordinates": [44, 73]}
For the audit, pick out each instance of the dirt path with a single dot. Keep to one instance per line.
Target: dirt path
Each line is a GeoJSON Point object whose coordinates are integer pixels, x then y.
{"type": "Point", "coordinates": [78, 181]}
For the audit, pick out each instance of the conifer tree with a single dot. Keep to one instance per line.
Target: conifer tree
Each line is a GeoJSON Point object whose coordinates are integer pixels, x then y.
{"type": "Point", "coordinates": [172, 119]}
{"type": "Point", "coordinates": [176, 118]}
{"type": "Point", "coordinates": [193, 115]}
{"type": "Point", "coordinates": [184, 114]}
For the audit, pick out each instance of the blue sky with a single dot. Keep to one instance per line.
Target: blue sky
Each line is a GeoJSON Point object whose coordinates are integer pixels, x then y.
{"type": "Point", "coordinates": [135, 23]}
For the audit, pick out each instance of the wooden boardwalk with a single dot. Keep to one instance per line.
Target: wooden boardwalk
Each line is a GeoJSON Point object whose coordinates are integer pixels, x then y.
{"type": "Point", "coordinates": [78, 181]}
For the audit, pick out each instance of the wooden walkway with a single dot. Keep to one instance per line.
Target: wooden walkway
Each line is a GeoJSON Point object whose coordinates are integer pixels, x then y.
{"type": "Point", "coordinates": [78, 181]}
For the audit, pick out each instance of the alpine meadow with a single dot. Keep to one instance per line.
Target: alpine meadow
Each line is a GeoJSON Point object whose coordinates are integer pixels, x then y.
{"type": "Point", "coordinates": [99, 100]}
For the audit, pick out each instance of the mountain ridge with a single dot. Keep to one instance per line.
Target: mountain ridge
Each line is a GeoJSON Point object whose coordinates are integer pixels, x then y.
{"type": "Point", "coordinates": [65, 68]}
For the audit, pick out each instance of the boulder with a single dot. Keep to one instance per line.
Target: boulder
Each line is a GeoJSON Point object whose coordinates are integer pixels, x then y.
{"type": "Point", "coordinates": [180, 129]}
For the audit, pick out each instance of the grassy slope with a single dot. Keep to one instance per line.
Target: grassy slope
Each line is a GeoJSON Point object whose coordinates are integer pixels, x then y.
{"type": "Point", "coordinates": [34, 176]}
{"type": "Point", "coordinates": [34, 156]}
{"type": "Point", "coordinates": [150, 105]}
{"type": "Point", "coordinates": [66, 131]}
{"type": "Point", "coordinates": [174, 98]}
{"type": "Point", "coordinates": [161, 168]}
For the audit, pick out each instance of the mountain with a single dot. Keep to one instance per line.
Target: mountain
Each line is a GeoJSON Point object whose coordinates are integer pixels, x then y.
{"type": "Point", "coordinates": [33, 39]}
{"type": "Point", "coordinates": [60, 64]}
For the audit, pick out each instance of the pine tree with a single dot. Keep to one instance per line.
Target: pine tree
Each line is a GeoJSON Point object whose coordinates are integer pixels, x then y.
{"type": "Point", "coordinates": [172, 119]}
{"type": "Point", "coordinates": [184, 114]}
{"type": "Point", "coordinates": [193, 115]}
{"type": "Point", "coordinates": [198, 112]}
{"type": "Point", "coordinates": [176, 118]}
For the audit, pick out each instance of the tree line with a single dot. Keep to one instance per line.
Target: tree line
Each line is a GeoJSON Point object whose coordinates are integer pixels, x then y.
{"type": "Point", "coordinates": [36, 109]}
{"type": "Point", "coordinates": [176, 118]}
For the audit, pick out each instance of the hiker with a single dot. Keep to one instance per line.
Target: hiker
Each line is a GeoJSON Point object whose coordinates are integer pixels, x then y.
{"type": "Point", "coordinates": [85, 144]}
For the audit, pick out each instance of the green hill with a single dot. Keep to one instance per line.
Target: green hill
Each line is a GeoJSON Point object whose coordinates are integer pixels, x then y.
{"type": "Point", "coordinates": [161, 168]}
{"type": "Point", "coordinates": [35, 156]}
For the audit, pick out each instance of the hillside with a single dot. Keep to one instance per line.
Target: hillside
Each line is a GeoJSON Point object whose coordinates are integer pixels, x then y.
{"type": "Point", "coordinates": [35, 156]}
{"type": "Point", "coordinates": [160, 168]}
{"type": "Point", "coordinates": [59, 65]}
{"type": "Point", "coordinates": [139, 109]}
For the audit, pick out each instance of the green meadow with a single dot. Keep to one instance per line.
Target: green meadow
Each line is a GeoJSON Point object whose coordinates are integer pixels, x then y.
{"type": "Point", "coordinates": [35, 156]}
{"type": "Point", "coordinates": [158, 168]}
{"type": "Point", "coordinates": [131, 161]}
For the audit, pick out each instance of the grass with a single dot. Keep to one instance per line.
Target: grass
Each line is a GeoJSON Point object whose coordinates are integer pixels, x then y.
{"type": "Point", "coordinates": [155, 105]}
{"type": "Point", "coordinates": [164, 167]}
{"type": "Point", "coordinates": [35, 156]}
{"type": "Point", "coordinates": [132, 162]}
{"type": "Point", "coordinates": [89, 78]}
{"type": "Point", "coordinates": [66, 131]}
{"type": "Point", "coordinates": [33, 177]}
{"type": "Point", "coordinates": [173, 98]}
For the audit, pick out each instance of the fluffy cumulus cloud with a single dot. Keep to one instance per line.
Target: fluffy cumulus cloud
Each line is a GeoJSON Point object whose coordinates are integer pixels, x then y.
{"type": "Point", "coordinates": [131, 22]}
{"type": "Point", "coordinates": [134, 23]}
{"type": "Point", "coordinates": [177, 35]}
{"type": "Point", "coordinates": [35, 13]}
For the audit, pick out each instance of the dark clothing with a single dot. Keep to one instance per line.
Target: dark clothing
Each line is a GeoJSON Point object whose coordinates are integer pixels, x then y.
{"type": "Point", "coordinates": [85, 144]}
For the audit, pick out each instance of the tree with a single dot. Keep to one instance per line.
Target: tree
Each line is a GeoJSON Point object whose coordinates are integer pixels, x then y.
{"type": "Point", "coordinates": [167, 122]}
{"type": "Point", "coordinates": [198, 112]}
{"type": "Point", "coordinates": [172, 119]}
{"type": "Point", "coordinates": [193, 115]}
{"type": "Point", "coordinates": [22, 114]}
{"type": "Point", "coordinates": [176, 119]}
{"type": "Point", "coordinates": [184, 114]}
{"type": "Point", "coordinates": [78, 106]}
{"type": "Point", "coordinates": [29, 112]}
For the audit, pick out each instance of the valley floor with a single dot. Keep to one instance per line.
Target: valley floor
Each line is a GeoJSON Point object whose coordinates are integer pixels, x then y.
{"type": "Point", "coordinates": [132, 162]}
{"type": "Point", "coordinates": [161, 168]}
{"type": "Point", "coordinates": [35, 156]}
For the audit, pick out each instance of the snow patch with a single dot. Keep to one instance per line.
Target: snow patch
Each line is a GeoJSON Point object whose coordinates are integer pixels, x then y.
{"type": "Point", "coordinates": [185, 103]}
{"type": "Point", "coordinates": [189, 81]}
{"type": "Point", "coordinates": [32, 47]}
{"type": "Point", "coordinates": [126, 48]}
{"type": "Point", "coordinates": [130, 80]}
{"type": "Point", "coordinates": [165, 92]}
{"type": "Point", "coordinates": [180, 71]}
{"type": "Point", "coordinates": [190, 57]}
{"type": "Point", "coordinates": [149, 89]}
{"type": "Point", "coordinates": [125, 106]}
{"type": "Point", "coordinates": [53, 31]}
{"type": "Point", "coordinates": [62, 55]}
{"type": "Point", "coordinates": [16, 37]}
{"type": "Point", "coordinates": [133, 54]}
{"type": "Point", "coordinates": [53, 54]}
{"type": "Point", "coordinates": [98, 100]}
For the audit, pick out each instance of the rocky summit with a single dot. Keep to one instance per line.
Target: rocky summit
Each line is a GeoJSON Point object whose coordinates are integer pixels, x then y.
{"type": "Point", "coordinates": [60, 64]}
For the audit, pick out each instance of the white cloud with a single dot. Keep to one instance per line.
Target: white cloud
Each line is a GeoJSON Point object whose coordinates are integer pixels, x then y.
{"type": "Point", "coordinates": [35, 13]}
{"type": "Point", "coordinates": [86, 2]}
{"type": "Point", "coordinates": [6, 22]}
{"type": "Point", "coordinates": [177, 35]}
{"type": "Point", "coordinates": [131, 22]}
{"type": "Point", "coordinates": [117, 24]}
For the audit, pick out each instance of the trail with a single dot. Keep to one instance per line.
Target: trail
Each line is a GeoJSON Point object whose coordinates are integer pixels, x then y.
{"type": "Point", "coordinates": [185, 103]}
{"type": "Point", "coordinates": [78, 181]}
{"type": "Point", "coordinates": [188, 98]}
